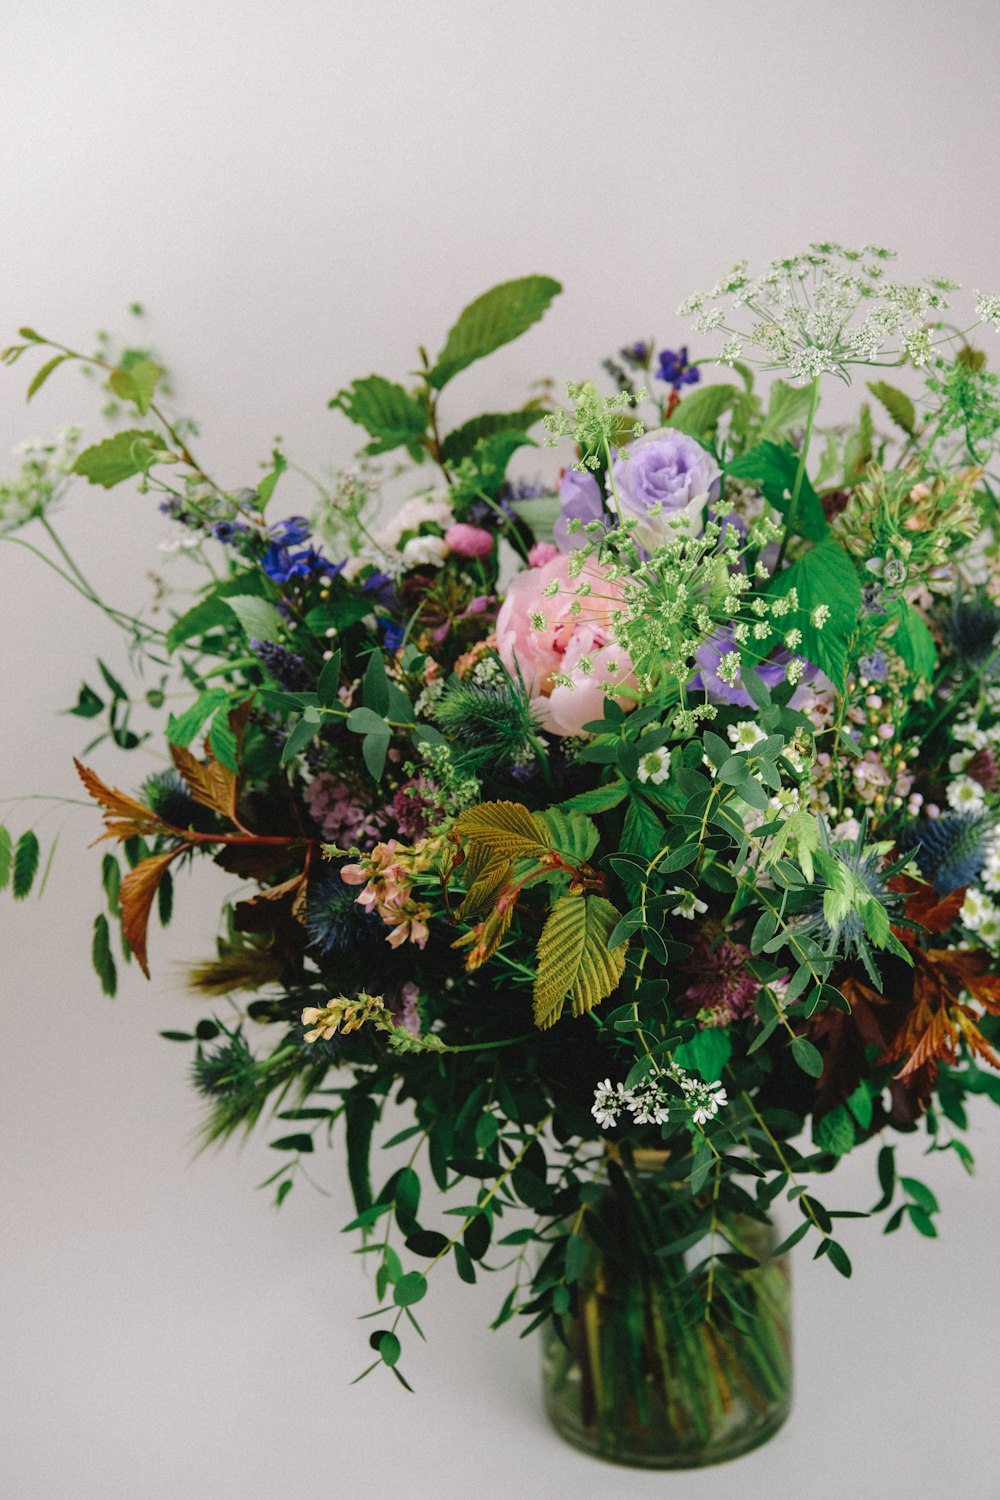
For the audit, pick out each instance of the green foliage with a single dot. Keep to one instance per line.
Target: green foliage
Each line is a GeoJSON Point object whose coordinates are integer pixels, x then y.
{"type": "Point", "coordinates": [462, 441]}
{"type": "Point", "coordinates": [120, 457]}
{"type": "Point", "coordinates": [899, 406]}
{"type": "Point", "coordinates": [773, 469]}
{"type": "Point", "coordinates": [259, 619]}
{"type": "Point", "coordinates": [574, 959]}
{"type": "Point", "coordinates": [701, 411]}
{"type": "Point", "coordinates": [6, 857]}
{"type": "Point", "coordinates": [101, 955]}
{"type": "Point", "coordinates": [392, 416]}
{"type": "Point", "coordinates": [496, 318]}
{"type": "Point", "coordinates": [137, 383]}
{"type": "Point", "coordinates": [25, 866]}
{"type": "Point", "coordinates": [824, 576]}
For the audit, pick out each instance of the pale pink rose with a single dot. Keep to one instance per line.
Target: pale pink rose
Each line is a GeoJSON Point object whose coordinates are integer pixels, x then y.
{"type": "Point", "coordinates": [542, 553]}
{"type": "Point", "coordinates": [469, 541]}
{"type": "Point", "coordinates": [580, 647]}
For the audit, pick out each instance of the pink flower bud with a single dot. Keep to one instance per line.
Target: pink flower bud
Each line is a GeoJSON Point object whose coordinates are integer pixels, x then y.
{"type": "Point", "coordinates": [469, 541]}
{"type": "Point", "coordinates": [886, 731]}
{"type": "Point", "coordinates": [542, 553]}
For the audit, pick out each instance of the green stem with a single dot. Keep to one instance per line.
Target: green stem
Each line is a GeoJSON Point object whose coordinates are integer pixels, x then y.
{"type": "Point", "coordinates": [800, 472]}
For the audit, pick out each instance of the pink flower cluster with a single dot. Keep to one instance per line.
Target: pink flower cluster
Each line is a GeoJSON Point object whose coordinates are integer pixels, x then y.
{"type": "Point", "coordinates": [388, 892]}
{"type": "Point", "coordinates": [335, 811]}
{"type": "Point", "coordinates": [727, 989]}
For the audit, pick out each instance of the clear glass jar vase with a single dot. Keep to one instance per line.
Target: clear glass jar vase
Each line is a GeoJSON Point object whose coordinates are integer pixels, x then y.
{"type": "Point", "coordinates": [670, 1357]}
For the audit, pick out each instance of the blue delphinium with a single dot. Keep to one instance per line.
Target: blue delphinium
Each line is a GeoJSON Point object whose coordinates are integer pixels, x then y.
{"type": "Point", "coordinates": [674, 368]}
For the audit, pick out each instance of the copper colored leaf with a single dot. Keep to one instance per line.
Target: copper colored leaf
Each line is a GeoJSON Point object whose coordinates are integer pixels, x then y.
{"type": "Point", "coordinates": [135, 898]}
{"type": "Point", "coordinates": [211, 783]}
{"type": "Point", "coordinates": [485, 875]}
{"type": "Point", "coordinates": [124, 816]}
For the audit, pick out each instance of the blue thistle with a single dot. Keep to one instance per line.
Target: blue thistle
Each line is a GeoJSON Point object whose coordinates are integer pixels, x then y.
{"type": "Point", "coordinates": [337, 926]}
{"type": "Point", "coordinates": [951, 849]}
{"type": "Point", "coordinates": [974, 628]}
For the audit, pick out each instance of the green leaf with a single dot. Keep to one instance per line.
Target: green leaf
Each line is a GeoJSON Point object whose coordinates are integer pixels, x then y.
{"type": "Point", "coordinates": [365, 721]}
{"type": "Point", "coordinates": [497, 317]}
{"type": "Point", "coordinates": [182, 730]}
{"type": "Point", "coordinates": [921, 1194]}
{"type": "Point", "coordinates": [698, 414]}
{"type": "Point", "coordinates": [42, 375]}
{"type": "Point", "coordinates": [100, 952]}
{"type": "Point", "coordinates": [299, 737]}
{"type": "Point", "coordinates": [772, 467]}
{"type": "Point", "coordinates": [461, 442]}
{"type": "Point", "coordinates": [88, 704]}
{"type": "Point", "coordinates": [824, 576]}
{"type": "Point", "coordinates": [119, 457]}
{"type": "Point", "coordinates": [706, 1053]}
{"type": "Point", "coordinates": [6, 847]}
{"type": "Point", "coordinates": [260, 620]}
{"type": "Point", "coordinates": [211, 611]}
{"type": "Point", "coordinates": [899, 406]}
{"type": "Point", "coordinates": [914, 642]}
{"type": "Point", "coordinates": [374, 749]}
{"type": "Point", "coordinates": [302, 1142]}
{"type": "Point", "coordinates": [375, 685]}
{"type": "Point", "coordinates": [266, 487]}
{"type": "Point", "coordinates": [25, 864]}
{"type": "Point", "coordinates": [222, 742]}
{"type": "Point", "coordinates": [360, 1115]}
{"type": "Point", "coordinates": [808, 1057]}
{"type": "Point", "coordinates": [573, 833]}
{"type": "Point", "coordinates": [328, 686]}
{"type": "Point", "coordinates": [573, 957]}
{"type": "Point", "coordinates": [388, 412]}
{"type": "Point", "coordinates": [388, 1346]}
{"type": "Point", "coordinates": [137, 383]}
{"type": "Point", "coordinates": [834, 1131]}
{"type": "Point", "coordinates": [409, 1289]}
{"type": "Point", "coordinates": [787, 408]}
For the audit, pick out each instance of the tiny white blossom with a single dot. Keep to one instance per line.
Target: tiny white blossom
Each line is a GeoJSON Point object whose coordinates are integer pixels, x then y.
{"type": "Point", "coordinates": [654, 766]}
{"type": "Point", "coordinates": [688, 906]}
{"type": "Point", "coordinates": [649, 1103]}
{"type": "Point", "coordinates": [975, 908]}
{"type": "Point", "coordinates": [745, 734]}
{"type": "Point", "coordinates": [610, 1099]}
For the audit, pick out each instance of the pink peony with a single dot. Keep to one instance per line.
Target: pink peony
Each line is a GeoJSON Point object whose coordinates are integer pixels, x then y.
{"type": "Point", "coordinates": [469, 541]}
{"type": "Point", "coordinates": [542, 553]}
{"type": "Point", "coordinates": [580, 646]}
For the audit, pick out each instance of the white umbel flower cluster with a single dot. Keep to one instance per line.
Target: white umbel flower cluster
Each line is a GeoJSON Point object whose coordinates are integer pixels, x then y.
{"type": "Point", "coordinates": [648, 1104]}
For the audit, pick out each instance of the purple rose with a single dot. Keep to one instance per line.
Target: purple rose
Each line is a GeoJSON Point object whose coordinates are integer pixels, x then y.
{"type": "Point", "coordinates": [666, 478]}
{"type": "Point", "coordinates": [579, 500]}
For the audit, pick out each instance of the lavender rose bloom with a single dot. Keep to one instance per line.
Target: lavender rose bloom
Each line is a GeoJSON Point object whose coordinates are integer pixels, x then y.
{"type": "Point", "coordinates": [667, 477]}
{"type": "Point", "coordinates": [579, 500]}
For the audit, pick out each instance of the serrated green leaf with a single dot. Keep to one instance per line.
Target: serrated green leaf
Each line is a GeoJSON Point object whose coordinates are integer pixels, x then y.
{"type": "Point", "coordinates": [259, 618]}
{"type": "Point", "coordinates": [914, 642]}
{"type": "Point", "coordinates": [496, 318]}
{"type": "Point", "coordinates": [574, 958]}
{"type": "Point", "coordinates": [699, 412]}
{"type": "Point", "coordinates": [182, 730]}
{"type": "Point", "coordinates": [834, 1131]}
{"type": "Point", "coordinates": [222, 742]}
{"type": "Point", "coordinates": [787, 408]}
{"type": "Point", "coordinates": [119, 457]}
{"type": "Point", "coordinates": [824, 576]}
{"type": "Point", "coordinates": [899, 406]}
{"type": "Point", "coordinates": [706, 1053]}
{"type": "Point", "coordinates": [462, 441]}
{"type": "Point", "coordinates": [772, 468]}
{"type": "Point", "coordinates": [388, 412]}
{"type": "Point", "coordinates": [573, 833]}
{"type": "Point", "coordinates": [25, 864]}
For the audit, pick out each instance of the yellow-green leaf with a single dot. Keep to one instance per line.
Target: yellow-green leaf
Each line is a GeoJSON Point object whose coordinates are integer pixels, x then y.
{"type": "Point", "coordinates": [504, 828]}
{"type": "Point", "coordinates": [574, 959]}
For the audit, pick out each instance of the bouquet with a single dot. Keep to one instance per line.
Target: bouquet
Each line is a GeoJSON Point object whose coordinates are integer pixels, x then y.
{"type": "Point", "coordinates": [623, 848]}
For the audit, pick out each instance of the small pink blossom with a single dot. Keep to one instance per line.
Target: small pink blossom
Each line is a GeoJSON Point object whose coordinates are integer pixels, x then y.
{"type": "Point", "coordinates": [542, 553]}
{"type": "Point", "coordinates": [469, 541]}
{"type": "Point", "coordinates": [334, 809]}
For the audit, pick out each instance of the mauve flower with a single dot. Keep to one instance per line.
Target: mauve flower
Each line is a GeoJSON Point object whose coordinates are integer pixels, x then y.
{"type": "Point", "coordinates": [667, 477]}
{"type": "Point", "coordinates": [542, 553]}
{"type": "Point", "coordinates": [579, 647]}
{"type": "Point", "coordinates": [579, 500]}
{"type": "Point", "coordinates": [469, 541]}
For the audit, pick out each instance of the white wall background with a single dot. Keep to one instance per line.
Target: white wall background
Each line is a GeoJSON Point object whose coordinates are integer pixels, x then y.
{"type": "Point", "coordinates": [300, 192]}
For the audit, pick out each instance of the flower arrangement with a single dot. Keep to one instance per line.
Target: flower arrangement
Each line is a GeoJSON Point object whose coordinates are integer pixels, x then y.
{"type": "Point", "coordinates": [638, 835]}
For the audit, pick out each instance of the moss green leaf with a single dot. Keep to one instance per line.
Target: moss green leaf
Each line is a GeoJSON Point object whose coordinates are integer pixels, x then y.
{"type": "Point", "coordinates": [100, 952]}
{"type": "Point", "coordinates": [25, 864]}
{"type": "Point", "coordinates": [699, 413]}
{"type": "Point", "coordinates": [504, 828]}
{"type": "Point", "coordinates": [494, 319]}
{"type": "Point", "coordinates": [897, 403]}
{"type": "Point", "coordinates": [386, 411]}
{"type": "Point", "coordinates": [119, 457]}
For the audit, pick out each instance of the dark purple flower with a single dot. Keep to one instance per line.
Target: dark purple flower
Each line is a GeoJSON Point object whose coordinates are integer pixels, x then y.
{"type": "Point", "coordinates": [579, 500]}
{"type": "Point", "coordinates": [282, 565]}
{"type": "Point", "coordinates": [638, 354]}
{"type": "Point", "coordinates": [288, 670]}
{"type": "Point", "coordinates": [228, 531]}
{"type": "Point", "coordinates": [392, 637]}
{"type": "Point", "coordinates": [380, 586]}
{"type": "Point", "coordinates": [291, 532]}
{"type": "Point", "coordinates": [675, 370]}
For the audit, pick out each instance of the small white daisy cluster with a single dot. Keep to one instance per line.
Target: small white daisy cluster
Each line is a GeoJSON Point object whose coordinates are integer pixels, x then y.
{"type": "Point", "coordinates": [981, 916]}
{"type": "Point", "coordinates": [990, 874]}
{"type": "Point", "coordinates": [648, 1104]}
{"type": "Point", "coordinates": [42, 476]}
{"type": "Point", "coordinates": [966, 793]}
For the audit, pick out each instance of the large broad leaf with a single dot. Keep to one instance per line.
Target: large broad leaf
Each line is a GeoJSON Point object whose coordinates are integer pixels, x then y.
{"type": "Point", "coordinates": [494, 319]}
{"type": "Point", "coordinates": [389, 413]}
{"type": "Point", "coordinates": [211, 784]}
{"type": "Point", "coordinates": [504, 828]}
{"type": "Point", "coordinates": [574, 959]}
{"type": "Point", "coordinates": [259, 618]}
{"type": "Point", "coordinates": [787, 408]}
{"type": "Point", "coordinates": [213, 611]}
{"type": "Point", "coordinates": [462, 440]}
{"type": "Point", "coordinates": [119, 457]}
{"type": "Point", "coordinates": [699, 413]}
{"type": "Point", "coordinates": [136, 382]}
{"type": "Point", "coordinates": [573, 833]}
{"type": "Point", "coordinates": [824, 576]}
{"type": "Point", "coordinates": [914, 642]}
{"type": "Point", "coordinates": [772, 468]}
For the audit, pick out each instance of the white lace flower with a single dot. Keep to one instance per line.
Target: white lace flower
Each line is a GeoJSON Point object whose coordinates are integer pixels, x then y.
{"type": "Point", "coordinates": [649, 1103]}
{"type": "Point", "coordinates": [706, 1099]}
{"type": "Point", "coordinates": [610, 1099]}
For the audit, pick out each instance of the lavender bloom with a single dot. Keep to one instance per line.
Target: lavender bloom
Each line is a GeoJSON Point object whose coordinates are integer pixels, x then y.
{"type": "Point", "coordinates": [875, 667]}
{"type": "Point", "coordinates": [288, 670]}
{"type": "Point", "coordinates": [674, 368]}
{"type": "Point", "coordinates": [667, 477]}
{"type": "Point", "coordinates": [579, 500]}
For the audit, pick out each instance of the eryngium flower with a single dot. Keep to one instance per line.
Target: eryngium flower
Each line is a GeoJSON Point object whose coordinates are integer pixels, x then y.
{"type": "Point", "coordinates": [951, 849]}
{"type": "Point", "coordinates": [337, 925]}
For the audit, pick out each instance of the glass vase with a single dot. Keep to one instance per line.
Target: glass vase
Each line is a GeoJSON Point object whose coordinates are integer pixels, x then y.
{"type": "Point", "coordinates": [675, 1351]}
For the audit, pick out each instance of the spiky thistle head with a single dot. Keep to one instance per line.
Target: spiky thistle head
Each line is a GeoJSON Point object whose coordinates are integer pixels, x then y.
{"type": "Point", "coordinates": [488, 717]}
{"type": "Point", "coordinates": [951, 849]}
{"type": "Point", "coordinates": [974, 627]}
{"type": "Point", "coordinates": [338, 927]}
{"type": "Point", "coordinates": [853, 909]}
{"type": "Point", "coordinates": [165, 793]}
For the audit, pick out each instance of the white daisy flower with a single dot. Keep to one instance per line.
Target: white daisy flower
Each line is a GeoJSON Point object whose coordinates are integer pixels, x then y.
{"type": "Point", "coordinates": [654, 766]}
{"type": "Point", "coordinates": [966, 795]}
{"type": "Point", "coordinates": [974, 908]}
{"type": "Point", "coordinates": [745, 734]}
